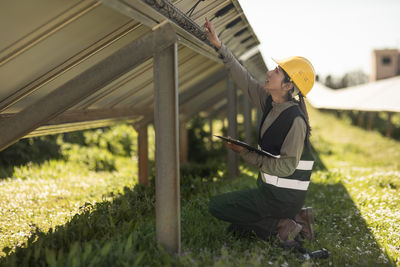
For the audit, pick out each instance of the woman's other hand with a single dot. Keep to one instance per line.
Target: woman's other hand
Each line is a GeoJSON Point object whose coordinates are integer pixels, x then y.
{"type": "Point", "coordinates": [234, 147]}
{"type": "Point", "coordinates": [212, 35]}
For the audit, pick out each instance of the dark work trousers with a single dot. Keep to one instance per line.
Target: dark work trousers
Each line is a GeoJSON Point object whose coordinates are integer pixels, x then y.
{"type": "Point", "coordinates": [242, 210]}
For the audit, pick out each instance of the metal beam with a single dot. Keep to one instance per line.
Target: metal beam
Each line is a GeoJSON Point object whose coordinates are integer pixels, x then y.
{"type": "Point", "coordinates": [87, 115]}
{"type": "Point", "coordinates": [71, 127]}
{"type": "Point", "coordinates": [85, 84]}
{"type": "Point", "coordinates": [96, 114]}
{"type": "Point", "coordinates": [232, 127]}
{"type": "Point", "coordinates": [166, 123]}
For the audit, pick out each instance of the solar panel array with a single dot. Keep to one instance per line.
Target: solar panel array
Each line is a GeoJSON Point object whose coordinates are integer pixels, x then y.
{"type": "Point", "coordinates": [47, 43]}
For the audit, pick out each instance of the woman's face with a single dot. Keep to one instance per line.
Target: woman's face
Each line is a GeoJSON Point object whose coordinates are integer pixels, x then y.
{"type": "Point", "coordinates": [273, 81]}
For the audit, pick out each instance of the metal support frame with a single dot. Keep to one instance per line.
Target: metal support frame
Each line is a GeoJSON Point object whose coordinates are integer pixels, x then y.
{"type": "Point", "coordinates": [248, 124]}
{"type": "Point", "coordinates": [74, 120]}
{"type": "Point", "coordinates": [96, 114]}
{"type": "Point", "coordinates": [232, 127]}
{"type": "Point", "coordinates": [85, 84]}
{"type": "Point", "coordinates": [360, 119]}
{"type": "Point", "coordinates": [166, 124]}
{"type": "Point", "coordinates": [143, 152]}
{"type": "Point", "coordinates": [75, 126]}
{"type": "Point", "coordinates": [371, 118]}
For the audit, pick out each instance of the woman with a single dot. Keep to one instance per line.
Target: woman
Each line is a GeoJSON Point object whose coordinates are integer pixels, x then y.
{"type": "Point", "coordinates": [275, 206]}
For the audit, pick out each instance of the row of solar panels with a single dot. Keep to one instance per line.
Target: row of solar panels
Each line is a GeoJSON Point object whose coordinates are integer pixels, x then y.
{"type": "Point", "coordinates": [47, 43]}
{"type": "Point", "coordinates": [382, 95]}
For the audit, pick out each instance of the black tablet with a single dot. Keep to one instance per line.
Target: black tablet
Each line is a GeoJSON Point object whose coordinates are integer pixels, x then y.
{"type": "Point", "coordinates": [245, 145]}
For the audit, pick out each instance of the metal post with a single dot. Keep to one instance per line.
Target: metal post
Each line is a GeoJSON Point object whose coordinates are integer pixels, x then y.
{"type": "Point", "coordinates": [360, 119]}
{"type": "Point", "coordinates": [167, 146]}
{"type": "Point", "coordinates": [247, 120]}
{"type": "Point", "coordinates": [143, 151]}
{"type": "Point", "coordinates": [371, 117]}
{"type": "Point", "coordinates": [232, 127]}
{"type": "Point", "coordinates": [183, 142]}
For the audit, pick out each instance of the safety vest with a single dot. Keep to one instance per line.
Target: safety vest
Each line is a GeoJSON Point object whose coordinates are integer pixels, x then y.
{"type": "Point", "coordinates": [290, 188]}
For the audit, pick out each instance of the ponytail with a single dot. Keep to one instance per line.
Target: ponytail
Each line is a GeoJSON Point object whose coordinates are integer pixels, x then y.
{"type": "Point", "coordinates": [303, 107]}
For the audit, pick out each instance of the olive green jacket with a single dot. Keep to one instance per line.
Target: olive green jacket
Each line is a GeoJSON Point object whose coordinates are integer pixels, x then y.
{"type": "Point", "coordinates": [292, 147]}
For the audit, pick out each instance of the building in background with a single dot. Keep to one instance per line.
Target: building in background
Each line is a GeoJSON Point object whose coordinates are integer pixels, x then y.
{"type": "Point", "coordinates": [385, 63]}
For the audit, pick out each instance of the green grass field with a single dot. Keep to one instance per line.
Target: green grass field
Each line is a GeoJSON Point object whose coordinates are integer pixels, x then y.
{"type": "Point", "coordinates": [65, 213]}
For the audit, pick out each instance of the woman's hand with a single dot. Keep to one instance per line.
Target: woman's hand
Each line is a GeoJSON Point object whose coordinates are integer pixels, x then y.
{"type": "Point", "coordinates": [234, 147]}
{"type": "Point", "coordinates": [212, 35]}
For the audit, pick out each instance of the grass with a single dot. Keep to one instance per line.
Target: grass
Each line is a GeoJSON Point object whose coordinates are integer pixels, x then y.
{"type": "Point", "coordinates": [367, 165]}
{"type": "Point", "coordinates": [62, 213]}
{"type": "Point", "coordinates": [41, 197]}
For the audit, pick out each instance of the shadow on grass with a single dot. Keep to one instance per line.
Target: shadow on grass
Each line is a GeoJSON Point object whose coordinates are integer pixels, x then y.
{"type": "Point", "coordinates": [341, 229]}
{"type": "Point", "coordinates": [122, 232]}
{"type": "Point", "coordinates": [339, 225]}
{"type": "Point", "coordinates": [319, 165]}
{"type": "Point", "coordinates": [88, 232]}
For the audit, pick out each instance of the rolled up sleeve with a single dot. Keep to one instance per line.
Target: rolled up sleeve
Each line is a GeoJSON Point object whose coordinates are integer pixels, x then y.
{"type": "Point", "coordinates": [252, 88]}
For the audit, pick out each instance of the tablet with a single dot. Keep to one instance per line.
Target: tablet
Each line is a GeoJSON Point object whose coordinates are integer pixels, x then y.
{"type": "Point", "coordinates": [245, 145]}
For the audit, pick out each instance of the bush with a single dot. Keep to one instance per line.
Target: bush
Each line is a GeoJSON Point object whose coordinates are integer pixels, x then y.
{"type": "Point", "coordinates": [94, 158]}
{"type": "Point", "coordinates": [200, 147]}
{"type": "Point", "coordinates": [35, 149]}
{"type": "Point", "coordinates": [200, 177]}
{"type": "Point", "coordinates": [97, 148]}
{"type": "Point", "coordinates": [120, 139]}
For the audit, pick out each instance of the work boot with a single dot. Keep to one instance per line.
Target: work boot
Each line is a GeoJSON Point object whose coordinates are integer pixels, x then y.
{"type": "Point", "coordinates": [305, 218]}
{"type": "Point", "coordinates": [288, 229]}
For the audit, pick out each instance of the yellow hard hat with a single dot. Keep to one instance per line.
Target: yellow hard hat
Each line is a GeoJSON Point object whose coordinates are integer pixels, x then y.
{"type": "Point", "coordinates": [300, 71]}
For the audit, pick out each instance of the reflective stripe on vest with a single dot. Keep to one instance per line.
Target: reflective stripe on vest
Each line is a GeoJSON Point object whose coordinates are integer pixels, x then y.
{"type": "Point", "coordinates": [285, 183]}
{"type": "Point", "coordinates": [305, 165]}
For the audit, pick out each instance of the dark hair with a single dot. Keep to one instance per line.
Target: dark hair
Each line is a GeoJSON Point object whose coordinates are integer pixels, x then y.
{"type": "Point", "coordinates": [303, 107]}
{"type": "Point", "coordinates": [287, 78]}
{"type": "Point", "coordinates": [300, 102]}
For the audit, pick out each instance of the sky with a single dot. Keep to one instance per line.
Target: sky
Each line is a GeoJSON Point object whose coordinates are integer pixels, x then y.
{"type": "Point", "coordinates": [337, 36]}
